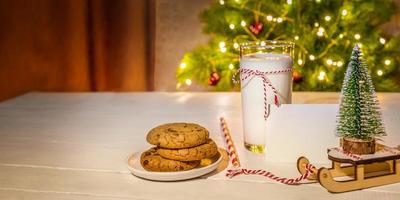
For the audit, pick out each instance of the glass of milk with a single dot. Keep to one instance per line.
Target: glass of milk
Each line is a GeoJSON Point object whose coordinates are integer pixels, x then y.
{"type": "Point", "coordinates": [263, 56]}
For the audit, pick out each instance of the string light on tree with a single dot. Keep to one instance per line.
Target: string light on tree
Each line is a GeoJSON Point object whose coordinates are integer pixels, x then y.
{"type": "Point", "coordinates": [262, 43]}
{"type": "Point", "coordinates": [300, 61]}
{"type": "Point", "coordinates": [312, 57]}
{"type": "Point", "coordinates": [344, 12]}
{"type": "Point", "coordinates": [379, 72]}
{"type": "Point", "coordinates": [269, 18]}
{"type": "Point", "coordinates": [357, 36]}
{"type": "Point", "coordinates": [289, 2]}
{"type": "Point", "coordinates": [316, 24]}
{"type": "Point", "coordinates": [341, 36]}
{"type": "Point", "coordinates": [327, 18]}
{"type": "Point", "coordinates": [321, 75]}
{"type": "Point", "coordinates": [188, 82]}
{"type": "Point", "coordinates": [296, 37]}
{"type": "Point", "coordinates": [382, 40]}
{"type": "Point", "coordinates": [387, 62]}
{"type": "Point", "coordinates": [329, 62]}
{"type": "Point", "coordinates": [243, 23]}
{"type": "Point", "coordinates": [222, 46]}
{"type": "Point", "coordinates": [321, 31]}
{"type": "Point", "coordinates": [182, 65]}
{"type": "Point", "coordinates": [235, 45]}
{"type": "Point", "coordinates": [232, 26]}
{"type": "Point", "coordinates": [231, 66]}
{"type": "Point", "coordinates": [222, 2]}
{"type": "Point", "coordinates": [339, 63]}
{"type": "Point", "coordinates": [279, 20]}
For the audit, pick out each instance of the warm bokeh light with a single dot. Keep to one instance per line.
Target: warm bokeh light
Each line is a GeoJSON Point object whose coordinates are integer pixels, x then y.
{"type": "Point", "coordinates": [188, 82]}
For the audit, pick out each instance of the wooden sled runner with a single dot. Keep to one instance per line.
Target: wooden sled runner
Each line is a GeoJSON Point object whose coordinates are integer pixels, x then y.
{"type": "Point", "coordinates": [366, 171]}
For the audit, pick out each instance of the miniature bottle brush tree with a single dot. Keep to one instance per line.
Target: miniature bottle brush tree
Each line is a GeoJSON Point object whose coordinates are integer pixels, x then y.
{"type": "Point", "coordinates": [359, 120]}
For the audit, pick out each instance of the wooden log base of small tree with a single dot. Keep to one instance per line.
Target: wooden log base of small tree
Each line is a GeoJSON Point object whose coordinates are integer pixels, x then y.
{"type": "Point", "coordinates": [357, 146]}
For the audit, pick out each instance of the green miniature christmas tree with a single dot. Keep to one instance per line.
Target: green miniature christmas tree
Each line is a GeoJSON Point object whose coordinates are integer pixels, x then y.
{"type": "Point", "coordinates": [359, 113]}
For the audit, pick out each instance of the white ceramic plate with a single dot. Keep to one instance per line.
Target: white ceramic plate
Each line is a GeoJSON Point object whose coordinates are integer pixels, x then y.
{"type": "Point", "coordinates": [206, 166]}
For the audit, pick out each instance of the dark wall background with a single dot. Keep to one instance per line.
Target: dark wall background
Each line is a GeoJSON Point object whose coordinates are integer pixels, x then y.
{"type": "Point", "coordinates": [73, 45]}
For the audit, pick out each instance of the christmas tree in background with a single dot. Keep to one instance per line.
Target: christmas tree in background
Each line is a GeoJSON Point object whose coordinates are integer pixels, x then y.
{"type": "Point", "coordinates": [324, 32]}
{"type": "Point", "coordinates": [359, 116]}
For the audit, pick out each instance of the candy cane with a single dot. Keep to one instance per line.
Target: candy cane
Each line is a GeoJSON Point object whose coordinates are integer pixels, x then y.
{"type": "Point", "coordinates": [229, 143]}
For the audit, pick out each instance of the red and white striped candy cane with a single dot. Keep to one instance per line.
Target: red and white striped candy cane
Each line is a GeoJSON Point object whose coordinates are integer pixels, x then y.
{"type": "Point", "coordinates": [247, 73]}
{"type": "Point", "coordinates": [229, 144]}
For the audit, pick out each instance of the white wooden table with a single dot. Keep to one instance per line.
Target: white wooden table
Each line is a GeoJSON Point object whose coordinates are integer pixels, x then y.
{"type": "Point", "coordinates": [74, 146]}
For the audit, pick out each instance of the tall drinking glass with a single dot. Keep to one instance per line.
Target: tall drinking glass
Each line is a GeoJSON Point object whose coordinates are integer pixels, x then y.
{"type": "Point", "coordinates": [268, 79]}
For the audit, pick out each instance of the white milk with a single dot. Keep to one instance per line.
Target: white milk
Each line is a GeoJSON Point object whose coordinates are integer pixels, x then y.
{"type": "Point", "coordinates": [254, 124]}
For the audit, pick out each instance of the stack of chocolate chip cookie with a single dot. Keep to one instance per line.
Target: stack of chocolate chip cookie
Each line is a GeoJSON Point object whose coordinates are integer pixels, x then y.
{"type": "Point", "coordinates": [180, 146]}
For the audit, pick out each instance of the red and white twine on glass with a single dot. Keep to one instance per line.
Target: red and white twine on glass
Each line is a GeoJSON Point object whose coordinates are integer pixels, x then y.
{"type": "Point", "coordinates": [248, 73]}
{"type": "Point", "coordinates": [234, 159]}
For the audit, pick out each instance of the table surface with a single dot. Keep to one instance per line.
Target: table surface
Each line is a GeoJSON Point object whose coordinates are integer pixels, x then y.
{"type": "Point", "coordinates": [75, 146]}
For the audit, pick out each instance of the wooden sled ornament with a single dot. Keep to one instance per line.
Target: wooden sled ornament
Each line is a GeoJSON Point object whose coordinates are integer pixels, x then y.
{"type": "Point", "coordinates": [349, 173]}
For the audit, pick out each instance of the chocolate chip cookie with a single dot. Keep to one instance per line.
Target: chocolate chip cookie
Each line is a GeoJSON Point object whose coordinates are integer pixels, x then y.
{"type": "Point", "coordinates": [152, 161]}
{"type": "Point", "coordinates": [206, 150]}
{"type": "Point", "coordinates": [178, 135]}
